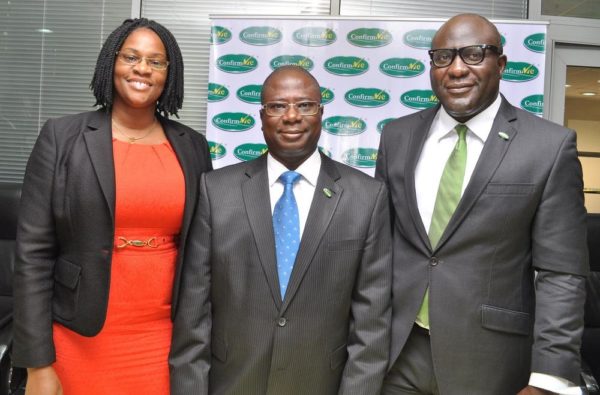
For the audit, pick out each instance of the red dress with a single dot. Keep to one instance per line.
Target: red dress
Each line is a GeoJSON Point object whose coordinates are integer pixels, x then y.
{"type": "Point", "coordinates": [129, 355]}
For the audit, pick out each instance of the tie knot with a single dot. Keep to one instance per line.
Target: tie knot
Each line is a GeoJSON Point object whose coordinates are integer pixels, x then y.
{"type": "Point", "coordinates": [289, 177]}
{"type": "Point", "coordinates": [461, 129]}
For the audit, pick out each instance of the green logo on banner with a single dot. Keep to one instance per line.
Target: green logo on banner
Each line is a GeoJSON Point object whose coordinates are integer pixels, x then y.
{"type": "Point", "coordinates": [250, 93]}
{"type": "Point", "coordinates": [536, 42]}
{"type": "Point", "coordinates": [519, 72]}
{"type": "Point", "coordinates": [360, 157]}
{"type": "Point", "coordinates": [324, 151]}
{"type": "Point", "coordinates": [419, 99]}
{"type": "Point", "coordinates": [382, 123]}
{"type": "Point", "coordinates": [260, 35]}
{"type": "Point", "coordinates": [249, 151]}
{"type": "Point", "coordinates": [216, 150]}
{"type": "Point", "coordinates": [402, 67]}
{"type": "Point", "coordinates": [502, 40]}
{"type": "Point", "coordinates": [340, 125]}
{"type": "Point", "coordinates": [533, 103]}
{"type": "Point", "coordinates": [367, 97]}
{"type": "Point", "coordinates": [346, 65]}
{"type": "Point", "coordinates": [327, 95]}
{"type": "Point", "coordinates": [217, 92]}
{"type": "Point", "coordinates": [369, 37]}
{"type": "Point", "coordinates": [420, 38]}
{"type": "Point", "coordinates": [233, 121]}
{"type": "Point", "coordinates": [219, 35]}
{"type": "Point", "coordinates": [237, 63]}
{"type": "Point", "coordinates": [314, 36]}
{"type": "Point", "coordinates": [295, 60]}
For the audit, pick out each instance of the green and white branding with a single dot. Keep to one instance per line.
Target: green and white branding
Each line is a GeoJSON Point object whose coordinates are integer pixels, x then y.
{"type": "Point", "coordinates": [533, 104]}
{"type": "Point", "coordinates": [502, 40]}
{"type": "Point", "coordinates": [519, 72]}
{"type": "Point", "coordinates": [216, 150]}
{"type": "Point", "coordinates": [219, 35]}
{"type": "Point", "coordinates": [346, 65]}
{"type": "Point", "coordinates": [402, 67]}
{"type": "Point", "coordinates": [367, 97]}
{"type": "Point", "coordinates": [325, 151]}
{"type": "Point", "coordinates": [249, 151]}
{"type": "Point", "coordinates": [369, 37]}
{"type": "Point", "coordinates": [237, 63]}
{"type": "Point", "coordinates": [294, 60]}
{"type": "Point", "coordinates": [249, 93]}
{"type": "Point", "coordinates": [217, 92]}
{"type": "Point", "coordinates": [419, 38]}
{"type": "Point", "coordinates": [535, 42]}
{"type": "Point", "coordinates": [360, 157]}
{"type": "Point", "coordinates": [382, 123]}
{"type": "Point", "coordinates": [419, 99]}
{"type": "Point", "coordinates": [340, 125]}
{"type": "Point", "coordinates": [314, 36]}
{"type": "Point", "coordinates": [233, 121]}
{"type": "Point", "coordinates": [327, 95]}
{"type": "Point", "coordinates": [260, 35]}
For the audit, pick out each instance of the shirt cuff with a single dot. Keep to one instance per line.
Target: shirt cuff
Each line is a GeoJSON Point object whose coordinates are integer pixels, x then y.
{"type": "Point", "coordinates": [554, 384]}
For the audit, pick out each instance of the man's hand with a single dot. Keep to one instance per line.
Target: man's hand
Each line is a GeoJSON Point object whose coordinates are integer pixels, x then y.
{"type": "Point", "coordinates": [529, 390]}
{"type": "Point", "coordinates": [43, 381]}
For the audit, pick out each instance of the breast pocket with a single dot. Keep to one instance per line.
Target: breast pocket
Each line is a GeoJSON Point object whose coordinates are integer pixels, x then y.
{"type": "Point", "coordinates": [509, 189]}
{"type": "Point", "coordinates": [66, 289]}
{"type": "Point", "coordinates": [345, 245]}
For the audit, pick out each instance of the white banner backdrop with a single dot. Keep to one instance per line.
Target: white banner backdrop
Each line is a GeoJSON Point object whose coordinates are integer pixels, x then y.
{"type": "Point", "coordinates": [370, 72]}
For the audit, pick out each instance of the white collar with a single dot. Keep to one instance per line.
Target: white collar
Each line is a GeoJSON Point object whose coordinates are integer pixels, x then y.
{"type": "Point", "coordinates": [309, 169]}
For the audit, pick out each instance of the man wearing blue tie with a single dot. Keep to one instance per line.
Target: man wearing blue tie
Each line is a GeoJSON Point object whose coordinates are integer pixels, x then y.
{"type": "Point", "coordinates": [287, 273]}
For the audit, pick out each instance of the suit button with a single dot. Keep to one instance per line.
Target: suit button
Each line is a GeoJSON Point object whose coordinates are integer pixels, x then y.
{"type": "Point", "coordinates": [282, 321]}
{"type": "Point", "coordinates": [433, 261]}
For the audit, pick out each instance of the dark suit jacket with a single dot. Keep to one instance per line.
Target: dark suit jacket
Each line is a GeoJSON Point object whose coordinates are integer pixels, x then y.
{"type": "Point", "coordinates": [491, 322]}
{"type": "Point", "coordinates": [329, 334]}
{"type": "Point", "coordinates": [66, 228]}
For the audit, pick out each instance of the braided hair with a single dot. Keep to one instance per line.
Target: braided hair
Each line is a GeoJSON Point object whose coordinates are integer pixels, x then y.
{"type": "Point", "coordinates": [171, 99]}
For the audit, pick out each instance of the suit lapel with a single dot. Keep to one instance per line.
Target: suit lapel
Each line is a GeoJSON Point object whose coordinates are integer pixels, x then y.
{"type": "Point", "coordinates": [321, 211]}
{"type": "Point", "coordinates": [255, 191]}
{"type": "Point", "coordinates": [98, 140]}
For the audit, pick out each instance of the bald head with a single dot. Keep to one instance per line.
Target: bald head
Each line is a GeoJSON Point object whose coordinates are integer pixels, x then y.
{"type": "Point", "coordinates": [290, 70]}
{"type": "Point", "coordinates": [457, 26]}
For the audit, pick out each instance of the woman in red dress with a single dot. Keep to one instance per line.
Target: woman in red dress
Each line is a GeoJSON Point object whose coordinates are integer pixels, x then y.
{"type": "Point", "coordinates": [107, 199]}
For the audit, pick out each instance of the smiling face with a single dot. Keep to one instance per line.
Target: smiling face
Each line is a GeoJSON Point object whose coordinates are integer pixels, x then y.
{"type": "Point", "coordinates": [292, 137]}
{"type": "Point", "coordinates": [466, 90]}
{"type": "Point", "coordinates": [139, 86]}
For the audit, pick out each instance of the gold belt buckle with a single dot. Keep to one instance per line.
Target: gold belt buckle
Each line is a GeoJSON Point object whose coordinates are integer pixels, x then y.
{"type": "Point", "coordinates": [151, 243]}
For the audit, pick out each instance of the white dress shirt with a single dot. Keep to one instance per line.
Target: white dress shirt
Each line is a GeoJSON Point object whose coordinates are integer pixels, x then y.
{"type": "Point", "coordinates": [304, 188]}
{"type": "Point", "coordinates": [440, 142]}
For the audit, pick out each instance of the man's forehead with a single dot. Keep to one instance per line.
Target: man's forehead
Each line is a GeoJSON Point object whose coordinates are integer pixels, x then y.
{"type": "Point", "coordinates": [464, 32]}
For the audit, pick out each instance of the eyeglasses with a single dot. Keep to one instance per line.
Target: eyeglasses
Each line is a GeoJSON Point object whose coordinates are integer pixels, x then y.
{"type": "Point", "coordinates": [471, 55]}
{"type": "Point", "coordinates": [131, 59]}
{"type": "Point", "coordinates": [279, 108]}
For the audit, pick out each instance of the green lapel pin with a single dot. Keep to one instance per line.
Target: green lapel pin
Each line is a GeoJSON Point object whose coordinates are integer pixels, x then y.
{"type": "Point", "coordinates": [503, 135]}
{"type": "Point", "coordinates": [327, 192]}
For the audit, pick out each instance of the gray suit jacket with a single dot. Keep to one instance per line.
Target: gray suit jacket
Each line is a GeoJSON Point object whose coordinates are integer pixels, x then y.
{"type": "Point", "coordinates": [491, 321]}
{"type": "Point", "coordinates": [66, 228]}
{"type": "Point", "coordinates": [331, 332]}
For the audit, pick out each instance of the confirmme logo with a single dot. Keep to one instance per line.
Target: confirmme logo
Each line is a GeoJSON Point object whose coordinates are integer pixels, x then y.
{"type": "Point", "coordinates": [327, 95]}
{"type": "Point", "coordinates": [369, 38]}
{"type": "Point", "coordinates": [533, 104]}
{"type": "Point", "coordinates": [217, 92]}
{"type": "Point", "coordinates": [382, 123]}
{"type": "Point", "coordinates": [420, 38]}
{"type": "Point", "coordinates": [402, 67]}
{"type": "Point", "coordinates": [519, 72]}
{"type": "Point", "coordinates": [217, 150]}
{"type": "Point", "coordinates": [314, 36]}
{"type": "Point", "coordinates": [536, 42]}
{"type": "Point", "coordinates": [250, 93]}
{"type": "Point", "coordinates": [367, 97]}
{"type": "Point", "coordinates": [249, 151]}
{"type": "Point", "coordinates": [233, 121]}
{"type": "Point", "coordinates": [344, 125]}
{"type": "Point", "coordinates": [237, 63]}
{"type": "Point", "coordinates": [419, 99]}
{"type": "Point", "coordinates": [219, 35]}
{"type": "Point", "coordinates": [346, 65]}
{"type": "Point", "coordinates": [294, 60]}
{"type": "Point", "coordinates": [360, 157]}
{"type": "Point", "coordinates": [260, 35]}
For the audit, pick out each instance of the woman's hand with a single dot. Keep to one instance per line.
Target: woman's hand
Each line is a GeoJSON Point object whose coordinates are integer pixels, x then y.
{"type": "Point", "coordinates": [43, 381]}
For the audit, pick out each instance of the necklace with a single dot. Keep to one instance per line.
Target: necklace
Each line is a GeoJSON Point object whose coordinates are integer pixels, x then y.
{"type": "Point", "coordinates": [131, 139]}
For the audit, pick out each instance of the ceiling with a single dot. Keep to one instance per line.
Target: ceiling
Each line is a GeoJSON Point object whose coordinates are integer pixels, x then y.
{"type": "Point", "coordinates": [583, 79]}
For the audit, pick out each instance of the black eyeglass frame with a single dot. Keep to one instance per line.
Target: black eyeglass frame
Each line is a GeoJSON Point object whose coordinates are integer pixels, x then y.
{"type": "Point", "coordinates": [459, 51]}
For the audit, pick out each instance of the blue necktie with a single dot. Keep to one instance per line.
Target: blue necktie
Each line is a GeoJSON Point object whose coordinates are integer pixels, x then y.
{"type": "Point", "coordinates": [286, 225]}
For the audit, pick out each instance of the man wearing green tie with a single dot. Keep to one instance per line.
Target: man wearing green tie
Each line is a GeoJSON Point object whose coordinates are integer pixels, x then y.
{"type": "Point", "coordinates": [489, 251]}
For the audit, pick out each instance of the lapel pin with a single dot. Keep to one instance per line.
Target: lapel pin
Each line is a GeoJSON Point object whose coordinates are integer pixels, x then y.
{"type": "Point", "coordinates": [327, 192]}
{"type": "Point", "coordinates": [503, 135]}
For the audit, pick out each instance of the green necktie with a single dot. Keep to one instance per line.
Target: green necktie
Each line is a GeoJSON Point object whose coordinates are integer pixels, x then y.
{"type": "Point", "coordinates": [448, 196]}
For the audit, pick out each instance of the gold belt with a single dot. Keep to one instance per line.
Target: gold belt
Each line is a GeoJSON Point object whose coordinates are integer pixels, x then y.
{"type": "Point", "coordinates": [151, 242]}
